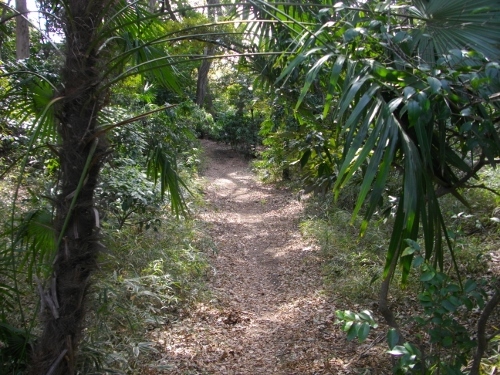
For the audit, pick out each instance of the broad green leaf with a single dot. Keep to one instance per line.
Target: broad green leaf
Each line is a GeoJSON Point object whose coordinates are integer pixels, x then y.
{"type": "Point", "coordinates": [469, 286]}
{"type": "Point", "coordinates": [427, 276]}
{"type": "Point", "coordinates": [413, 244]}
{"type": "Point", "coordinates": [434, 83]}
{"type": "Point", "coordinates": [351, 34]}
{"type": "Point", "coordinates": [363, 332]}
{"type": "Point", "coordinates": [408, 251]}
{"type": "Point", "coordinates": [305, 158]}
{"type": "Point", "coordinates": [392, 338]}
{"type": "Point", "coordinates": [448, 306]}
{"type": "Point", "coordinates": [398, 350]}
{"type": "Point", "coordinates": [353, 331]}
{"type": "Point", "coordinates": [418, 261]}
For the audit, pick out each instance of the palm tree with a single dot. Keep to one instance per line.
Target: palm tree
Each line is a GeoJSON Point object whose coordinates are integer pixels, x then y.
{"type": "Point", "coordinates": [409, 88]}
{"type": "Point", "coordinates": [105, 41]}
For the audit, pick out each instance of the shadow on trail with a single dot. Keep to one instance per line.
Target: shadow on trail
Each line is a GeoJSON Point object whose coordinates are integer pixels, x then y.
{"type": "Point", "coordinates": [268, 315]}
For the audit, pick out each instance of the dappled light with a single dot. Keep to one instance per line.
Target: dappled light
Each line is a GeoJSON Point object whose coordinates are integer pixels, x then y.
{"type": "Point", "coordinates": [267, 314]}
{"type": "Point", "coordinates": [257, 187]}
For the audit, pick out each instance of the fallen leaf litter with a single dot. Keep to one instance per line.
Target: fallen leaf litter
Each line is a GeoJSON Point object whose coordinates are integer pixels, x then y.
{"type": "Point", "coordinates": [268, 314]}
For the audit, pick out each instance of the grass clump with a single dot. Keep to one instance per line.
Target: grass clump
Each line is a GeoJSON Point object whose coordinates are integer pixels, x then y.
{"type": "Point", "coordinates": [351, 262]}
{"type": "Point", "coordinates": [354, 263]}
{"type": "Point", "coordinates": [147, 281]}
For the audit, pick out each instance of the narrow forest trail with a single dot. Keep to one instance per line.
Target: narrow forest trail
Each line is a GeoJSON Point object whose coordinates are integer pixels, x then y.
{"type": "Point", "coordinates": [268, 314]}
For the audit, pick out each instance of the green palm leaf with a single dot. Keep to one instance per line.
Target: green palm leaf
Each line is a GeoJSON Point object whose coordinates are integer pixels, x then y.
{"type": "Point", "coordinates": [459, 24]}
{"type": "Point", "coordinates": [391, 111]}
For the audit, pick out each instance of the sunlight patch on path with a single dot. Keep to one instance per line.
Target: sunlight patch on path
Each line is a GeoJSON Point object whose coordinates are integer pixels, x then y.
{"type": "Point", "coordinates": [267, 315]}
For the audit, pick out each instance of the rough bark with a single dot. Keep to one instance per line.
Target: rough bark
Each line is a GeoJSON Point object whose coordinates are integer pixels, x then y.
{"type": "Point", "coordinates": [22, 31]}
{"type": "Point", "coordinates": [81, 154]}
{"type": "Point", "coordinates": [202, 81]}
{"type": "Point", "coordinates": [204, 69]}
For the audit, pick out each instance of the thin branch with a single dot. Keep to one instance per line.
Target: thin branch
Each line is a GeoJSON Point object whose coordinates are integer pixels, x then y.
{"type": "Point", "coordinates": [443, 190]}
{"type": "Point", "coordinates": [483, 186]}
{"type": "Point", "coordinates": [482, 340]}
{"type": "Point", "coordinates": [105, 129]}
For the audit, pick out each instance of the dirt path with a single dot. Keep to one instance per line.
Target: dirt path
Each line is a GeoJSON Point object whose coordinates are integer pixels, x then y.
{"type": "Point", "coordinates": [268, 315]}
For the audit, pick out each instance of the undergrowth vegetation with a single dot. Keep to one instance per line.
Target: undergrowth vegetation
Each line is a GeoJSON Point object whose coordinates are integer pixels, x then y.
{"type": "Point", "coordinates": [350, 261]}
{"type": "Point", "coordinates": [152, 265]}
{"type": "Point", "coordinates": [438, 312]}
{"type": "Point", "coordinates": [149, 275]}
{"type": "Point", "coordinates": [146, 281]}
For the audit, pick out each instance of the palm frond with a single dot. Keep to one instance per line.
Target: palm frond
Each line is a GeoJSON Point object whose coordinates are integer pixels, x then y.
{"type": "Point", "coordinates": [161, 167]}
{"type": "Point", "coordinates": [459, 24]}
{"type": "Point", "coordinates": [397, 110]}
{"type": "Point", "coordinates": [36, 237]}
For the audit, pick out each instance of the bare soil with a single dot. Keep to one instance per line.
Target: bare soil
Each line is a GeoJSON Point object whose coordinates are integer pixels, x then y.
{"type": "Point", "coordinates": [268, 314]}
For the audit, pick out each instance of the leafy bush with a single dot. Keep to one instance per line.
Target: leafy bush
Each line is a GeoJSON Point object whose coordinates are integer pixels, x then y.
{"type": "Point", "coordinates": [196, 118]}
{"type": "Point", "coordinates": [128, 192]}
{"type": "Point", "coordinates": [241, 132]}
{"type": "Point", "coordinates": [128, 195]}
{"type": "Point", "coordinates": [441, 328]}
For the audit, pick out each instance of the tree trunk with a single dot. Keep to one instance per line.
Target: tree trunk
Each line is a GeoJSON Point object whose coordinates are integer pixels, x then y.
{"type": "Point", "coordinates": [22, 31]}
{"type": "Point", "coordinates": [167, 7]}
{"type": "Point", "coordinates": [202, 82]}
{"type": "Point", "coordinates": [482, 339]}
{"type": "Point", "coordinates": [204, 69]}
{"type": "Point", "coordinates": [152, 6]}
{"type": "Point", "coordinates": [81, 155]}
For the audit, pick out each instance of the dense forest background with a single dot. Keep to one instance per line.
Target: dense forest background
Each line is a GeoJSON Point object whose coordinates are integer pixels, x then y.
{"type": "Point", "coordinates": [388, 110]}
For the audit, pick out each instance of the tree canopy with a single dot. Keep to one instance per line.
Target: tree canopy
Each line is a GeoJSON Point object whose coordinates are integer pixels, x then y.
{"type": "Point", "coordinates": [355, 92]}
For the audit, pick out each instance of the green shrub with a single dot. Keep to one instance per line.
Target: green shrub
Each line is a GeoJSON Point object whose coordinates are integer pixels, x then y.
{"type": "Point", "coordinates": [163, 272]}
{"type": "Point", "coordinates": [442, 333]}
{"type": "Point", "coordinates": [239, 131]}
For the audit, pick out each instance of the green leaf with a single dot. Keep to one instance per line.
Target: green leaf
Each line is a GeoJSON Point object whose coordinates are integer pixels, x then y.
{"type": "Point", "coordinates": [448, 306]}
{"type": "Point", "coordinates": [469, 286]}
{"type": "Point", "coordinates": [350, 35]}
{"type": "Point", "coordinates": [398, 350]}
{"type": "Point", "coordinates": [408, 92]}
{"type": "Point", "coordinates": [340, 314]}
{"type": "Point", "coordinates": [348, 326]}
{"type": "Point", "coordinates": [353, 331]}
{"type": "Point", "coordinates": [427, 276]}
{"type": "Point", "coordinates": [311, 76]}
{"type": "Point", "coordinates": [418, 261]}
{"type": "Point", "coordinates": [363, 332]}
{"type": "Point", "coordinates": [414, 111]}
{"type": "Point", "coordinates": [414, 244]}
{"type": "Point", "coordinates": [305, 157]}
{"type": "Point", "coordinates": [392, 338]}
{"type": "Point", "coordinates": [408, 251]}
{"type": "Point", "coordinates": [434, 83]}
{"type": "Point", "coordinates": [447, 341]}
{"type": "Point", "coordinates": [366, 315]}
{"type": "Point", "coordinates": [332, 84]}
